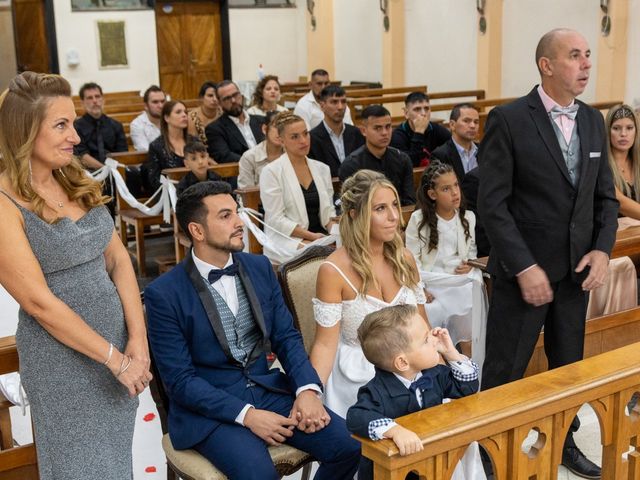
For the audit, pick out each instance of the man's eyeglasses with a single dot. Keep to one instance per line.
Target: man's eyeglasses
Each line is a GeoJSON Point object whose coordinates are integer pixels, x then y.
{"type": "Point", "coordinates": [234, 96]}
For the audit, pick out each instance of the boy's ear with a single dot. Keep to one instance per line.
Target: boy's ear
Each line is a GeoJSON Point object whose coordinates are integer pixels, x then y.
{"type": "Point", "coordinates": [400, 363]}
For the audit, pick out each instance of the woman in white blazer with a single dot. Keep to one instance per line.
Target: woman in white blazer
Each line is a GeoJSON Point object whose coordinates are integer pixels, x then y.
{"type": "Point", "coordinates": [296, 192]}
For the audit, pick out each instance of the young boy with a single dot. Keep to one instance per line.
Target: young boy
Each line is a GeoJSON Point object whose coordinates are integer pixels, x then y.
{"type": "Point", "coordinates": [408, 376]}
{"type": "Point", "coordinates": [196, 159]}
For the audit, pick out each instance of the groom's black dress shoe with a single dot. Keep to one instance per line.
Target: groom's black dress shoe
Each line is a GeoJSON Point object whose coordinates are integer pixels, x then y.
{"type": "Point", "coordinates": [577, 463]}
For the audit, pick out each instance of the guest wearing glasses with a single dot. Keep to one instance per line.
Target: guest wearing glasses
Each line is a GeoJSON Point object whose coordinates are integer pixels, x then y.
{"type": "Point", "coordinates": [236, 131]}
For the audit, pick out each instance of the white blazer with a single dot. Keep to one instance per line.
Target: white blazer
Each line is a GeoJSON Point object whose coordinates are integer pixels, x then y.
{"type": "Point", "coordinates": [282, 197]}
{"type": "Point", "coordinates": [419, 247]}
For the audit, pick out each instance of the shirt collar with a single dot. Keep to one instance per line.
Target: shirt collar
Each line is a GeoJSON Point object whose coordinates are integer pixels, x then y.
{"type": "Point", "coordinates": [462, 151]}
{"type": "Point", "coordinates": [204, 268]}
{"type": "Point", "coordinates": [331, 132]}
{"type": "Point", "coordinates": [549, 102]}
{"type": "Point", "coordinates": [405, 382]}
{"type": "Point", "coordinates": [236, 120]}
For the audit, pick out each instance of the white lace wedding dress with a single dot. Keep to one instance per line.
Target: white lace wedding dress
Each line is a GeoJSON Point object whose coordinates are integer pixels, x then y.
{"type": "Point", "coordinates": [351, 370]}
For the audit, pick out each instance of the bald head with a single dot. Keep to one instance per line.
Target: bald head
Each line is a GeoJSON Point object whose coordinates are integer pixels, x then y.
{"type": "Point", "coordinates": [548, 44]}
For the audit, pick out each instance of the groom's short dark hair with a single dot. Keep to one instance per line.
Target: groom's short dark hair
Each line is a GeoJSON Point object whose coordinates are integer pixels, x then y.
{"type": "Point", "coordinates": [191, 207]}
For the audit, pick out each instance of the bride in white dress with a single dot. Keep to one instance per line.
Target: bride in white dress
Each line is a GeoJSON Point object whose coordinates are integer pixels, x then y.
{"type": "Point", "coordinates": [372, 270]}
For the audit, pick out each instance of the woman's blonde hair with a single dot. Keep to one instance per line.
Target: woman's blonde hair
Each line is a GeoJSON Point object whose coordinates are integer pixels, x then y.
{"type": "Point", "coordinates": [616, 113]}
{"type": "Point", "coordinates": [284, 119]}
{"type": "Point", "coordinates": [355, 229]}
{"type": "Point", "coordinates": [23, 108]}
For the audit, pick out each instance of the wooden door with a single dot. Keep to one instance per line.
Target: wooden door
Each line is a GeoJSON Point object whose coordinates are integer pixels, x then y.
{"type": "Point", "coordinates": [189, 46]}
{"type": "Point", "coordinates": [32, 51]}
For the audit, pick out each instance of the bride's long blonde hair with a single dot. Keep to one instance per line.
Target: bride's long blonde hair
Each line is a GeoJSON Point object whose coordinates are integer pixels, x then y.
{"type": "Point", "coordinates": [355, 229]}
{"type": "Point", "coordinates": [23, 108]}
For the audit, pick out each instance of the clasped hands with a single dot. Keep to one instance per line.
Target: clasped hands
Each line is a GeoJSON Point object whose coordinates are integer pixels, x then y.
{"type": "Point", "coordinates": [307, 415]}
{"type": "Point", "coordinates": [535, 286]}
{"type": "Point", "coordinates": [137, 376]}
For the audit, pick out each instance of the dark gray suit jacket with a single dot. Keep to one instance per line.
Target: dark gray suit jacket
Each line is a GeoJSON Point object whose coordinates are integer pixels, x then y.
{"type": "Point", "coordinates": [322, 148]}
{"type": "Point", "coordinates": [531, 211]}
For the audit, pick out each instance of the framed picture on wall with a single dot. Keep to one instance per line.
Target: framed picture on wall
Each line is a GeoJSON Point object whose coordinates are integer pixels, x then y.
{"type": "Point", "coordinates": [112, 44]}
{"type": "Point", "coordinates": [92, 5]}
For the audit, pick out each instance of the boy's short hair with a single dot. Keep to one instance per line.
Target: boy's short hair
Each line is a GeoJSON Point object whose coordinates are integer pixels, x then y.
{"type": "Point", "coordinates": [383, 334]}
{"type": "Point", "coordinates": [375, 111]}
{"type": "Point", "coordinates": [194, 146]}
{"type": "Point", "coordinates": [415, 97]}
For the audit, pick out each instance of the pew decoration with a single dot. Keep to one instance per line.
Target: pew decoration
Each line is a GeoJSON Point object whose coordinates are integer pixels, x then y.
{"type": "Point", "coordinates": [287, 249]}
{"type": "Point", "coordinates": [167, 191]}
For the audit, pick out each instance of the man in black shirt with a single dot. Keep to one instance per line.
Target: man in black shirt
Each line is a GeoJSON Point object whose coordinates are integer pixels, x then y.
{"type": "Point", "coordinates": [332, 140]}
{"type": "Point", "coordinates": [376, 154]}
{"type": "Point", "coordinates": [418, 136]}
{"type": "Point", "coordinates": [99, 134]}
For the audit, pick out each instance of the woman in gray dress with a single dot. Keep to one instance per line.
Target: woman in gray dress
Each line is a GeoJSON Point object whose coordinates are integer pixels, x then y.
{"type": "Point", "coordinates": [81, 335]}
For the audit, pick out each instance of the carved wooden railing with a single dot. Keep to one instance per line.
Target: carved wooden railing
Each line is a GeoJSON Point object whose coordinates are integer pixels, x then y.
{"type": "Point", "coordinates": [501, 418]}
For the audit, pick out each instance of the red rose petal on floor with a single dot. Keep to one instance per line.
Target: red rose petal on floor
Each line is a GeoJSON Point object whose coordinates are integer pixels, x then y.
{"type": "Point", "coordinates": [150, 470]}
{"type": "Point", "coordinates": [149, 416]}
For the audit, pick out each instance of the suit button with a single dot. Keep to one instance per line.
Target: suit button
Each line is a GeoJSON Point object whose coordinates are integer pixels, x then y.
{"type": "Point", "coordinates": [572, 226]}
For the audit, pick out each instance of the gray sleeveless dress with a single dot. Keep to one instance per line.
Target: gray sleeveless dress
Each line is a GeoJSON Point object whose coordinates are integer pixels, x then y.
{"type": "Point", "coordinates": [83, 417]}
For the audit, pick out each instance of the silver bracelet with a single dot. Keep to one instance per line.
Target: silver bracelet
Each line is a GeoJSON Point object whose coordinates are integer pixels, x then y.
{"type": "Point", "coordinates": [106, 362]}
{"type": "Point", "coordinates": [124, 368]}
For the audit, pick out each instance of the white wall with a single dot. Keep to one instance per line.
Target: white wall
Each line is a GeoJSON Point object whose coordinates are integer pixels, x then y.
{"type": "Point", "coordinates": [273, 37]}
{"type": "Point", "coordinates": [441, 44]}
{"type": "Point", "coordinates": [525, 21]}
{"type": "Point", "coordinates": [632, 94]}
{"type": "Point", "coordinates": [78, 30]}
{"type": "Point", "coordinates": [358, 34]}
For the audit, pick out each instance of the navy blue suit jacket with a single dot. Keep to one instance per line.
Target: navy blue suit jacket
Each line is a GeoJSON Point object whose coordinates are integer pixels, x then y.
{"type": "Point", "coordinates": [386, 397]}
{"type": "Point", "coordinates": [203, 381]}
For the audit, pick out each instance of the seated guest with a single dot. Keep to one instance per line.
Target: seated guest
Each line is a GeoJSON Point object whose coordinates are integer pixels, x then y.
{"type": "Point", "coordinates": [236, 131]}
{"type": "Point", "coordinates": [332, 140]}
{"type": "Point", "coordinates": [619, 291]}
{"type": "Point", "coordinates": [99, 134]}
{"type": "Point", "coordinates": [296, 192]}
{"type": "Point", "coordinates": [255, 159]}
{"type": "Point", "coordinates": [624, 158]}
{"type": "Point", "coordinates": [266, 97]}
{"type": "Point", "coordinates": [440, 234]}
{"type": "Point", "coordinates": [376, 154]}
{"type": "Point", "coordinates": [145, 128]}
{"type": "Point", "coordinates": [418, 136]}
{"type": "Point", "coordinates": [167, 151]}
{"type": "Point", "coordinates": [224, 401]}
{"type": "Point", "coordinates": [207, 112]}
{"type": "Point", "coordinates": [469, 187]}
{"type": "Point", "coordinates": [196, 159]}
{"type": "Point", "coordinates": [409, 377]}
{"type": "Point", "coordinates": [308, 107]}
{"type": "Point", "coordinates": [460, 151]}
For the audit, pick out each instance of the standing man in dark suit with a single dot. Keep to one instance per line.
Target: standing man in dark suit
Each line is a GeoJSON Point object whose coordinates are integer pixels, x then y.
{"type": "Point", "coordinates": [549, 209]}
{"type": "Point", "coordinates": [212, 320]}
{"type": "Point", "coordinates": [460, 151]}
{"type": "Point", "coordinates": [332, 140]}
{"type": "Point", "coordinates": [235, 131]}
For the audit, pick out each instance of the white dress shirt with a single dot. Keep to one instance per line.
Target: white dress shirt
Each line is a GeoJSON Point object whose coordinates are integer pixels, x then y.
{"type": "Point", "coordinates": [309, 109]}
{"type": "Point", "coordinates": [143, 132]}
{"type": "Point", "coordinates": [245, 129]}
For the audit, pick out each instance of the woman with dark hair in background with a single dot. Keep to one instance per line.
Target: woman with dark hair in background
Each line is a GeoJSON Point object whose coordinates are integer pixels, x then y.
{"type": "Point", "coordinates": [266, 97]}
{"type": "Point", "coordinates": [167, 151]}
{"type": "Point", "coordinates": [208, 111]}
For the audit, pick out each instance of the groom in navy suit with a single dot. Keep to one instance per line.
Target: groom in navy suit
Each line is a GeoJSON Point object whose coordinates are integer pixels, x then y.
{"type": "Point", "coordinates": [212, 320]}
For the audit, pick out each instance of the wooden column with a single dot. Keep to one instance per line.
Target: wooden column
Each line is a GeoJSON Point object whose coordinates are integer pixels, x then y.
{"type": "Point", "coordinates": [490, 50]}
{"type": "Point", "coordinates": [320, 42]}
{"type": "Point", "coordinates": [393, 49]}
{"type": "Point", "coordinates": [611, 70]}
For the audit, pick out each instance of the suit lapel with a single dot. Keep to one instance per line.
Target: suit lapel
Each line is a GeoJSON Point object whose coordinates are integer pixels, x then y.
{"type": "Point", "coordinates": [546, 131]}
{"type": "Point", "coordinates": [235, 131]}
{"type": "Point", "coordinates": [402, 396]}
{"type": "Point", "coordinates": [329, 143]}
{"type": "Point", "coordinates": [256, 128]}
{"type": "Point", "coordinates": [457, 165]}
{"type": "Point", "coordinates": [581, 125]}
{"type": "Point", "coordinates": [209, 306]}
